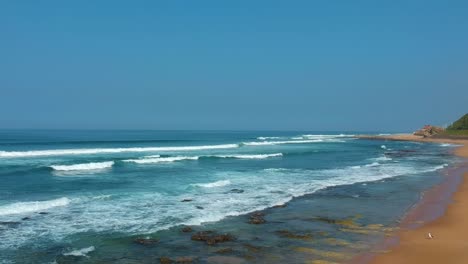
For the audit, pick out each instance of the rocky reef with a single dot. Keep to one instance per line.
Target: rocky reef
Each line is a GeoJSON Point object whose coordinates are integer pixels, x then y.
{"type": "Point", "coordinates": [429, 131]}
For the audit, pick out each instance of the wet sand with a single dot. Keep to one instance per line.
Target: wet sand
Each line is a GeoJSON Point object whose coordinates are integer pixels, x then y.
{"type": "Point", "coordinates": [450, 231]}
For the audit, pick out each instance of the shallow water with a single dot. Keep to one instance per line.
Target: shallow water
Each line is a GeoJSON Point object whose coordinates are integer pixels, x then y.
{"type": "Point", "coordinates": [84, 196]}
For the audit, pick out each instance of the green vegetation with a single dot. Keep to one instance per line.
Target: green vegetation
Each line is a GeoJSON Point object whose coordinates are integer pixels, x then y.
{"type": "Point", "coordinates": [459, 127]}
{"type": "Point", "coordinates": [460, 124]}
{"type": "Point", "coordinates": [456, 132]}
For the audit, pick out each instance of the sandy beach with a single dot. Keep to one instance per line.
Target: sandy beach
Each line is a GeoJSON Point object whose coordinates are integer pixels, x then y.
{"type": "Point", "coordinates": [449, 243]}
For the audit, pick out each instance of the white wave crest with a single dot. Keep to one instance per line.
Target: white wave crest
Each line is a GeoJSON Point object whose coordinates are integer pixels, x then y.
{"type": "Point", "coordinates": [28, 207]}
{"type": "Point", "coordinates": [266, 138]}
{"type": "Point", "coordinates": [80, 252]}
{"type": "Point", "coordinates": [253, 156]}
{"type": "Point", "coordinates": [383, 158]}
{"type": "Point", "coordinates": [59, 152]}
{"type": "Point", "coordinates": [450, 145]}
{"type": "Point", "coordinates": [438, 167]}
{"type": "Point", "coordinates": [383, 147]}
{"type": "Point", "coordinates": [263, 143]}
{"type": "Point", "coordinates": [84, 166]}
{"type": "Point", "coordinates": [213, 184]}
{"type": "Point", "coordinates": [373, 164]}
{"type": "Point", "coordinates": [311, 136]}
{"type": "Point", "coordinates": [161, 160]}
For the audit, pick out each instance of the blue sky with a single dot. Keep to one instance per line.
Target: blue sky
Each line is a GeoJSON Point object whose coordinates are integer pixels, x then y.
{"type": "Point", "coordinates": [283, 65]}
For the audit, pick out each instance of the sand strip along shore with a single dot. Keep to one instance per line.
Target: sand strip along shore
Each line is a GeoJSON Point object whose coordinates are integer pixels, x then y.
{"type": "Point", "coordinates": [449, 242]}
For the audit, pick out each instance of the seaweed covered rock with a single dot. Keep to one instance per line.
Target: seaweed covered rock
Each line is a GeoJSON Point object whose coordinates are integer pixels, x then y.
{"type": "Point", "coordinates": [186, 229]}
{"type": "Point", "coordinates": [257, 218]}
{"type": "Point", "coordinates": [145, 241]}
{"type": "Point", "coordinates": [211, 238]}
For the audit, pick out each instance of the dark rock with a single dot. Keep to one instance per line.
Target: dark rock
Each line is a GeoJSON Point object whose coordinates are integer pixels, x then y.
{"type": "Point", "coordinates": [289, 234]}
{"type": "Point", "coordinates": [211, 238]}
{"type": "Point", "coordinates": [43, 213]}
{"type": "Point", "coordinates": [186, 200]}
{"type": "Point", "coordinates": [146, 241]}
{"type": "Point", "coordinates": [257, 221]}
{"type": "Point", "coordinates": [252, 248]}
{"type": "Point", "coordinates": [280, 206]}
{"type": "Point", "coordinates": [225, 260]}
{"type": "Point", "coordinates": [165, 260]}
{"type": "Point", "coordinates": [199, 207]}
{"type": "Point", "coordinates": [202, 235]}
{"type": "Point", "coordinates": [325, 219]}
{"type": "Point", "coordinates": [429, 131]}
{"type": "Point", "coordinates": [25, 218]}
{"type": "Point", "coordinates": [236, 191]}
{"type": "Point", "coordinates": [185, 260]}
{"type": "Point", "coordinates": [224, 251]}
{"type": "Point", "coordinates": [186, 229]}
{"type": "Point", "coordinates": [257, 218]}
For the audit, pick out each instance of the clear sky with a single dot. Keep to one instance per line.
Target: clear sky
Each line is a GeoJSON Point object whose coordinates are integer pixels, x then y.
{"type": "Point", "coordinates": [284, 65]}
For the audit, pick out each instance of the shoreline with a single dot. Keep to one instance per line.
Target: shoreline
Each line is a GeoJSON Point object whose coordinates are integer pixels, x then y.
{"type": "Point", "coordinates": [441, 212]}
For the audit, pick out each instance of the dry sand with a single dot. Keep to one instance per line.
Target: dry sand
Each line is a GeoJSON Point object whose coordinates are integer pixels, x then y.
{"type": "Point", "coordinates": [450, 232]}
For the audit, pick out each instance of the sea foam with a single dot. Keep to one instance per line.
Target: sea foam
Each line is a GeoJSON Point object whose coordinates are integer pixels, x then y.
{"type": "Point", "coordinates": [59, 152]}
{"type": "Point", "coordinates": [84, 166]}
{"type": "Point", "coordinates": [263, 143]}
{"type": "Point", "coordinates": [80, 252]}
{"type": "Point", "coordinates": [161, 159]}
{"type": "Point", "coordinates": [266, 138]}
{"type": "Point", "coordinates": [247, 156]}
{"type": "Point", "coordinates": [213, 184]}
{"type": "Point", "coordinates": [28, 207]}
{"type": "Point", "coordinates": [157, 159]}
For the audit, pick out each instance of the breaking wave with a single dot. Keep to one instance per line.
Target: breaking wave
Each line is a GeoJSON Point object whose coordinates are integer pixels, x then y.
{"type": "Point", "coordinates": [28, 207]}
{"type": "Point", "coordinates": [59, 152]}
{"type": "Point", "coordinates": [80, 252]}
{"type": "Point", "coordinates": [266, 138]}
{"type": "Point", "coordinates": [213, 184]}
{"type": "Point", "coordinates": [247, 156]}
{"type": "Point", "coordinates": [84, 166]}
{"type": "Point", "coordinates": [147, 160]}
{"type": "Point", "coordinates": [263, 143]}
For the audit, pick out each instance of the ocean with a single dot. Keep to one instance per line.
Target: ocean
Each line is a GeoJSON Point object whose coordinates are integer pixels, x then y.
{"type": "Point", "coordinates": [78, 196]}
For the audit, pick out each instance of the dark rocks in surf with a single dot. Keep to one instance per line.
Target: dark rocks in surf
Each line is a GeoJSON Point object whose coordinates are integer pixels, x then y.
{"type": "Point", "coordinates": [187, 200]}
{"type": "Point", "coordinates": [252, 248]}
{"type": "Point", "coordinates": [224, 251]}
{"type": "Point", "coordinates": [257, 218]}
{"type": "Point", "coordinates": [225, 260]}
{"type": "Point", "coordinates": [165, 260]}
{"type": "Point", "coordinates": [179, 260]}
{"type": "Point", "coordinates": [145, 241]}
{"type": "Point", "coordinates": [25, 218]}
{"type": "Point", "coordinates": [199, 207]}
{"type": "Point", "coordinates": [326, 220]}
{"type": "Point", "coordinates": [43, 213]}
{"type": "Point", "coordinates": [186, 229]}
{"type": "Point", "coordinates": [289, 234]}
{"type": "Point", "coordinates": [280, 206]}
{"type": "Point", "coordinates": [184, 260]}
{"type": "Point", "coordinates": [236, 191]}
{"type": "Point", "coordinates": [211, 238]}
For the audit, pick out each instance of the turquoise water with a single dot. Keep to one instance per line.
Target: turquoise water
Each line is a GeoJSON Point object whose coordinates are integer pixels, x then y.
{"type": "Point", "coordinates": [84, 196]}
